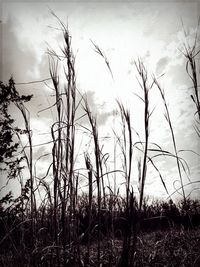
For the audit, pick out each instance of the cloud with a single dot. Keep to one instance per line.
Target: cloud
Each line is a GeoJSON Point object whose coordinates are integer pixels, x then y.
{"type": "Point", "coordinates": [18, 58]}
{"type": "Point", "coordinates": [98, 110]}
{"type": "Point", "coordinates": [161, 65]}
{"type": "Point", "coordinates": [26, 64]}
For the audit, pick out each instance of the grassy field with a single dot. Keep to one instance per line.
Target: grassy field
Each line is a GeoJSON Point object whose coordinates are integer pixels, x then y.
{"type": "Point", "coordinates": [160, 248]}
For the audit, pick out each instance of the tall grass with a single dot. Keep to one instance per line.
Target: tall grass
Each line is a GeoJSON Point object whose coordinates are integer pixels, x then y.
{"type": "Point", "coordinates": [167, 116]}
{"type": "Point", "coordinates": [98, 173]}
{"type": "Point", "coordinates": [19, 103]}
{"type": "Point", "coordinates": [63, 135]}
{"type": "Point", "coordinates": [191, 53]}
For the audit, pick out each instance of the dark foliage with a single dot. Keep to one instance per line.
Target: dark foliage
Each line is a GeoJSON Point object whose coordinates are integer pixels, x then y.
{"type": "Point", "coordinates": [9, 160]}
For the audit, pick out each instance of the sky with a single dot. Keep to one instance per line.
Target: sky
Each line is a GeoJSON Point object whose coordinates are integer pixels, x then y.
{"type": "Point", "coordinates": [125, 31]}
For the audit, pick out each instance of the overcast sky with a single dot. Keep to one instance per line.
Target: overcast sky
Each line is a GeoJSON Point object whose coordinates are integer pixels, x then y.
{"type": "Point", "coordinates": [124, 31]}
